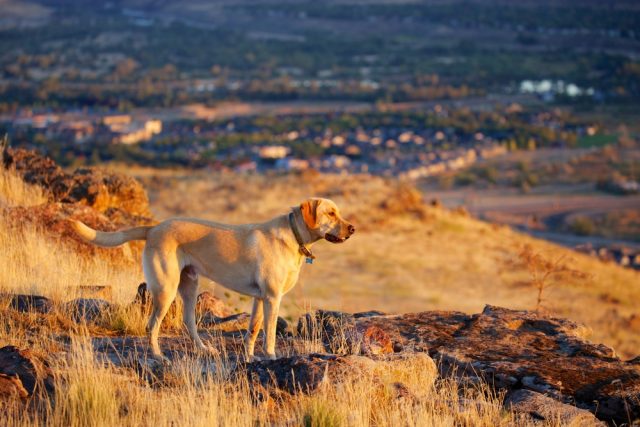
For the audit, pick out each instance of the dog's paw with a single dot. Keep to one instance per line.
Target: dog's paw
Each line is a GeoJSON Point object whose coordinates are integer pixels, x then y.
{"type": "Point", "coordinates": [161, 359]}
{"type": "Point", "coordinates": [254, 358]}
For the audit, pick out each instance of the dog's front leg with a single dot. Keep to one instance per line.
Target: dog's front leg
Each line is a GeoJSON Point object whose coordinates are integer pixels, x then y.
{"type": "Point", "coordinates": [271, 308]}
{"type": "Point", "coordinates": [254, 327]}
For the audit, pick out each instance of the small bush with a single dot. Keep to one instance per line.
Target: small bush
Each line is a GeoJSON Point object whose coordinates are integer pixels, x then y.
{"type": "Point", "coordinates": [582, 226]}
{"type": "Point", "coordinates": [465, 178]}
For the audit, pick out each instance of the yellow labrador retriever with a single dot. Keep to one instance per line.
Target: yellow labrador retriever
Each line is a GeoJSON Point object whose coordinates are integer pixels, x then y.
{"type": "Point", "coordinates": [260, 260]}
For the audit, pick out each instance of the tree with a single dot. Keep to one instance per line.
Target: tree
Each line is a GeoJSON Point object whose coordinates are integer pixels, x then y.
{"type": "Point", "coordinates": [545, 272]}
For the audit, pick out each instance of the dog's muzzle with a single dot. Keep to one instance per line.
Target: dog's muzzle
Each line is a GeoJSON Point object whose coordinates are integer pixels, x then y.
{"type": "Point", "coordinates": [335, 239]}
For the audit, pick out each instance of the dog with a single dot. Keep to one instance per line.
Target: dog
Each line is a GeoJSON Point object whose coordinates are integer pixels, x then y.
{"type": "Point", "coordinates": [260, 260]}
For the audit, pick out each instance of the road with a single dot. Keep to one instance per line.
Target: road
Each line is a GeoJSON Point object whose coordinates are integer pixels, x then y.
{"type": "Point", "coordinates": [536, 213]}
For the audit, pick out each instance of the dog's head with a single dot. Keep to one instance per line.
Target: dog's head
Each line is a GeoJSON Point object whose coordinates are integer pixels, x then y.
{"type": "Point", "coordinates": [323, 220]}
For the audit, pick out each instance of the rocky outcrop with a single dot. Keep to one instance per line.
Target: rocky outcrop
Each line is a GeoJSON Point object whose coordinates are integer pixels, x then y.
{"type": "Point", "coordinates": [107, 193]}
{"type": "Point", "coordinates": [104, 201]}
{"type": "Point", "coordinates": [534, 406]}
{"type": "Point", "coordinates": [514, 350]}
{"type": "Point", "coordinates": [21, 373]}
{"type": "Point", "coordinates": [209, 303]}
{"type": "Point", "coordinates": [306, 373]}
{"type": "Point", "coordinates": [544, 365]}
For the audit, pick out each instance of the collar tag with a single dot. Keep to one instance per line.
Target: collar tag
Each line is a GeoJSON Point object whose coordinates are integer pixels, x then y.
{"type": "Point", "coordinates": [309, 260]}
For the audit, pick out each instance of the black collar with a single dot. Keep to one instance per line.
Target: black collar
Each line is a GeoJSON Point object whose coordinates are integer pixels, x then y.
{"type": "Point", "coordinates": [301, 247]}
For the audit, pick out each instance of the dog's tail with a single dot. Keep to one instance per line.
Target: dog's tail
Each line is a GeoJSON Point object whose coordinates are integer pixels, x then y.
{"type": "Point", "coordinates": [102, 238]}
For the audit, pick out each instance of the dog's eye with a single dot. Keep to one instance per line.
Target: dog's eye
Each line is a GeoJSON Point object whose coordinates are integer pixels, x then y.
{"type": "Point", "coordinates": [332, 214]}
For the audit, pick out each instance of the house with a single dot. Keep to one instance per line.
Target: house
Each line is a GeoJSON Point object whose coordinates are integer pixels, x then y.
{"type": "Point", "coordinates": [132, 132]}
{"type": "Point", "coordinates": [291, 164]}
{"type": "Point", "coordinates": [273, 152]}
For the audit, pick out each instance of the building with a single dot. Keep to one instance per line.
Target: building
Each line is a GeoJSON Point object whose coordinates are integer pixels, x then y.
{"type": "Point", "coordinates": [132, 132]}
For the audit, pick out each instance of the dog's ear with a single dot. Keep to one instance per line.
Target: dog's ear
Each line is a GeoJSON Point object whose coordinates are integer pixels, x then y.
{"type": "Point", "coordinates": [309, 212]}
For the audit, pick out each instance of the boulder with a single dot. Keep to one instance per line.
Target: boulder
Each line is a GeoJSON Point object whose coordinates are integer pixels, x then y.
{"type": "Point", "coordinates": [307, 373]}
{"type": "Point", "coordinates": [513, 349]}
{"type": "Point", "coordinates": [21, 373]}
{"type": "Point", "coordinates": [87, 310]}
{"type": "Point", "coordinates": [29, 303]}
{"type": "Point", "coordinates": [534, 406]}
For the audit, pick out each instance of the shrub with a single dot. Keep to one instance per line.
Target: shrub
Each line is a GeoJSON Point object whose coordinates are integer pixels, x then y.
{"type": "Point", "coordinates": [582, 226]}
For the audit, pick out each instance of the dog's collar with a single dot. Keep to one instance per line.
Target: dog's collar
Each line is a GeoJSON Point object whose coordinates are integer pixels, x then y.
{"type": "Point", "coordinates": [301, 247]}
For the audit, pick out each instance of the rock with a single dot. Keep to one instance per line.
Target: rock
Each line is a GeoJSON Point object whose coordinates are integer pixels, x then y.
{"type": "Point", "coordinates": [341, 334]}
{"type": "Point", "coordinates": [30, 303]}
{"type": "Point", "coordinates": [371, 313]}
{"type": "Point", "coordinates": [307, 373]}
{"type": "Point", "coordinates": [511, 349]}
{"type": "Point", "coordinates": [143, 296]}
{"type": "Point", "coordinates": [234, 323]}
{"type": "Point", "coordinates": [102, 200]}
{"type": "Point", "coordinates": [22, 373]}
{"type": "Point", "coordinates": [335, 329]}
{"type": "Point", "coordinates": [11, 387]}
{"type": "Point", "coordinates": [87, 309]}
{"type": "Point", "coordinates": [374, 341]}
{"type": "Point", "coordinates": [237, 323]}
{"type": "Point", "coordinates": [92, 187]}
{"type": "Point", "coordinates": [538, 407]}
{"type": "Point", "coordinates": [208, 303]}
{"type": "Point", "coordinates": [401, 391]}
{"type": "Point", "coordinates": [53, 218]}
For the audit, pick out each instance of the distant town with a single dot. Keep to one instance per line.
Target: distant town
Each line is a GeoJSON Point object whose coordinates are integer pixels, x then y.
{"type": "Point", "coordinates": [407, 144]}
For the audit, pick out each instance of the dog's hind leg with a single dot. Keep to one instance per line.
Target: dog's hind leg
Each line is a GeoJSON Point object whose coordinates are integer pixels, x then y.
{"type": "Point", "coordinates": [188, 289]}
{"type": "Point", "coordinates": [162, 275]}
{"type": "Point", "coordinates": [254, 328]}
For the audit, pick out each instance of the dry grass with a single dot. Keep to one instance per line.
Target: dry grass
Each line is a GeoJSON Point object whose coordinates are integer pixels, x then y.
{"type": "Point", "coordinates": [15, 192]}
{"type": "Point", "coordinates": [34, 262]}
